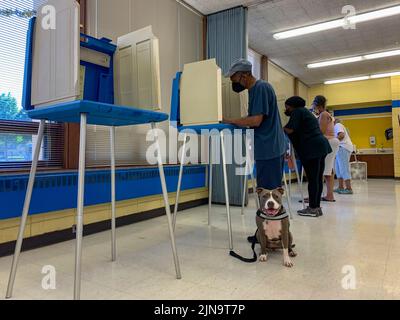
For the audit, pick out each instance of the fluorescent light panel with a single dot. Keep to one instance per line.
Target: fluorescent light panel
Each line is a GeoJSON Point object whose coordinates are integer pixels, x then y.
{"type": "Point", "coordinates": [347, 80]}
{"type": "Point", "coordinates": [372, 56]}
{"type": "Point", "coordinates": [362, 78]}
{"type": "Point", "coordinates": [374, 15]}
{"type": "Point", "coordinates": [334, 62]}
{"type": "Point", "coordinates": [382, 54]}
{"type": "Point", "coordinates": [385, 75]}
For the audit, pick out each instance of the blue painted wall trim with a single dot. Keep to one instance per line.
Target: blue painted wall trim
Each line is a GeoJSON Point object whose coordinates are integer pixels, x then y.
{"type": "Point", "coordinates": [396, 104]}
{"type": "Point", "coordinates": [363, 111]}
{"type": "Point", "coordinates": [55, 192]}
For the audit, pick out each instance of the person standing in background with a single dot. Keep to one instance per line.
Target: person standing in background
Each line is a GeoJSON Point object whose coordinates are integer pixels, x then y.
{"type": "Point", "coordinates": [312, 148]}
{"type": "Point", "coordinates": [327, 125]}
{"type": "Point", "coordinates": [346, 148]}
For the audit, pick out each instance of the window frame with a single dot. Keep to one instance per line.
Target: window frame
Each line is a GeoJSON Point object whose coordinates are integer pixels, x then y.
{"type": "Point", "coordinates": [68, 132]}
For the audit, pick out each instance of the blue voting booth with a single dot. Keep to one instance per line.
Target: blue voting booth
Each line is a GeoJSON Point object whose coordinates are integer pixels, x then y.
{"type": "Point", "coordinates": [95, 106]}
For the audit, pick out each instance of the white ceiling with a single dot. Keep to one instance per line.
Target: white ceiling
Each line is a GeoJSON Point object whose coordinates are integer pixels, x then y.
{"type": "Point", "coordinates": [294, 54]}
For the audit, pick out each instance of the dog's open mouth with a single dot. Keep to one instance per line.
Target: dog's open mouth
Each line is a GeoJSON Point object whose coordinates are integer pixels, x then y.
{"type": "Point", "coordinates": [270, 212]}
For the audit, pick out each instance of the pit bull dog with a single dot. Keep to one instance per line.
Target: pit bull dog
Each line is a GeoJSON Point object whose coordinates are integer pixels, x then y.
{"type": "Point", "coordinates": [273, 231]}
{"type": "Point", "coordinates": [274, 226]}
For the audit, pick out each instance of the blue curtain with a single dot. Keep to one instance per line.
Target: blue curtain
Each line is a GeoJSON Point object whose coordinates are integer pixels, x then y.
{"type": "Point", "coordinates": [227, 42]}
{"type": "Point", "coordinates": [227, 36]}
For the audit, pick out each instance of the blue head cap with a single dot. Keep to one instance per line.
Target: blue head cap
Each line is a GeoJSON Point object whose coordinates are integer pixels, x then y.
{"type": "Point", "coordinates": [242, 65]}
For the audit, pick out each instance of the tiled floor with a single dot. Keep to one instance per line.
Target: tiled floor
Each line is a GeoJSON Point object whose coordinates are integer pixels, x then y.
{"type": "Point", "coordinates": [360, 233]}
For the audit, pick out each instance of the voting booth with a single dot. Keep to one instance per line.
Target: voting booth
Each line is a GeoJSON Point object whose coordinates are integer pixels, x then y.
{"type": "Point", "coordinates": [138, 70]}
{"type": "Point", "coordinates": [207, 97]}
{"type": "Point", "coordinates": [69, 77]}
{"type": "Point", "coordinates": [201, 98]}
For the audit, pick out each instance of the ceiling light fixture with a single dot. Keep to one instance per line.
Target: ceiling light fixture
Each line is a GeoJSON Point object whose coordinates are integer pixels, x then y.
{"type": "Point", "coordinates": [362, 78]}
{"type": "Point", "coordinates": [372, 56]}
{"type": "Point", "coordinates": [334, 62]}
{"type": "Point", "coordinates": [385, 75]}
{"type": "Point", "coordinates": [347, 80]}
{"type": "Point", "coordinates": [369, 16]}
{"type": "Point", "coordinates": [382, 54]}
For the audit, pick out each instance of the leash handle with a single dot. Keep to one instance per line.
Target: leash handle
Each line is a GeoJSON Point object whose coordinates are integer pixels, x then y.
{"type": "Point", "coordinates": [253, 247]}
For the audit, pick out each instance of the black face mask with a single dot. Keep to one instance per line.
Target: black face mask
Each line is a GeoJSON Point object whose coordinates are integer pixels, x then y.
{"type": "Point", "coordinates": [288, 113]}
{"type": "Point", "coordinates": [237, 87]}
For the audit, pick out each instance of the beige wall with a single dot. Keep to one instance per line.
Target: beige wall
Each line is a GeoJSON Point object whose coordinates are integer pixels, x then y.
{"type": "Point", "coordinates": [303, 91]}
{"type": "Point", "coordinates": [180, 32]}
{"type": "Point", "coordinates": [283, 84]}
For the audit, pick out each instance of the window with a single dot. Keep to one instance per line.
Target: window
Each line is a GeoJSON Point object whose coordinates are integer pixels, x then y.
{"type": "Point", "coordinates": [255, 59]}
{"type": "Point", "coordinates": [18, 134]}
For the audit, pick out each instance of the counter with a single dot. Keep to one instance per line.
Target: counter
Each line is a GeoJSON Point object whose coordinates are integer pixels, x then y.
{"type": "Point", "coordinates": [380, 164]}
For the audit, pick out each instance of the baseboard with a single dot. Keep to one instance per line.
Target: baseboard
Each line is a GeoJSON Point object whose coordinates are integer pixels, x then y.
{"type": "Point", "coordinates": [47, 239]}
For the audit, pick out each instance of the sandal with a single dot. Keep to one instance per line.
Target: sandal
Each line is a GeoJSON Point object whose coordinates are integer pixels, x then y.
{"type": "Point", "coordinates": [305, 201]}
{"type": "Point", "coordinates": [327, 200]}
{"type": "Point", "coordinates": [346, 191]}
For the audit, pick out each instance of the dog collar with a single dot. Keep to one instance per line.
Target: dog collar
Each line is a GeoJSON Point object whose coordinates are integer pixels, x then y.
{"type": "Point", "coordinates": [282, 215]}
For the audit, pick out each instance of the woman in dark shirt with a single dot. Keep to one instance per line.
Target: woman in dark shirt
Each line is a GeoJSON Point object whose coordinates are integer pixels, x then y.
{"type": "Point", "coordinates": [312, 148]}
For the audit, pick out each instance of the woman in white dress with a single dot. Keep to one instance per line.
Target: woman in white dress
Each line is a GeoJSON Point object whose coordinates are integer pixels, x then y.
{"type": "Point", "coordinates": [327, 125]}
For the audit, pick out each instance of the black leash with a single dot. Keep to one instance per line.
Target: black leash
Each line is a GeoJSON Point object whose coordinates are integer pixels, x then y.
{"type": "Point", "coordinates": [253, 247]}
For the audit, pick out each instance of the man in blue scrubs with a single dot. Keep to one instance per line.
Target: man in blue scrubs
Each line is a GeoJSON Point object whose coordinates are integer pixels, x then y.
{"type": "Point", "coordinates": [270, 145]}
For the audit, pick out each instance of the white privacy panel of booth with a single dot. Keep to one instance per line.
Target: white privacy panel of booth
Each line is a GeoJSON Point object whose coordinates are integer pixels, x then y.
{"type": "Point", "coordinates": [207, 97]}
{"type": "Point", "coordinates": [55, 73]}
{"type": "Point", "coordinates": [137, 72]}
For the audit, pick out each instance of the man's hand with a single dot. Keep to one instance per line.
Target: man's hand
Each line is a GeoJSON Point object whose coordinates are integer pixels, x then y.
{"type": "Point", "coordinates": [248, 122]}
{"type": "Point", "coordinates": [227, 121]}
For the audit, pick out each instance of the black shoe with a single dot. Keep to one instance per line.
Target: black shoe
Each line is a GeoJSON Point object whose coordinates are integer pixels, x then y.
{"type": "Point", "coordinates": [321, 213]}
{"type": "Point", "coordinates": [308, 212]}
{"type": "Point", "coordinates": [251, 239]}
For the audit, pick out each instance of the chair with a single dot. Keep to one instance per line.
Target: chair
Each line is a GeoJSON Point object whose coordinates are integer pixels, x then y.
{"type": "Point", "coordinates": [200, 129]}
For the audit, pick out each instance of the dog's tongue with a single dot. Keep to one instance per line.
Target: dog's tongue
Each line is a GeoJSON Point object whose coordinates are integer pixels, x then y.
{"type": "Point", "coordinates": [272, 212]}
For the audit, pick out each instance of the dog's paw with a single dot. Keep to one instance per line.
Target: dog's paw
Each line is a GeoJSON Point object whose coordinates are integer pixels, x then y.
{"type": "Point", "coordinates": [287, 262]}
{"type": "Point", "coordinates": [292, 254]}
{"type": "Point", "coordinates": [263, 258]}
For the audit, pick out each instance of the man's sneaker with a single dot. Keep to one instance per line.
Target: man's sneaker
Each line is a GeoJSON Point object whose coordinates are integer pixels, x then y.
{"type": "Point", "coordinates": [338, 190]}
{"type": "Point", "coordinates": [320, 212]}
{"type": "Point", "coordinates": [308, 212]}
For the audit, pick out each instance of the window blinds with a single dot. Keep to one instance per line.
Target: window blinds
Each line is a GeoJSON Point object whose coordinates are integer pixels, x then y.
{"type": "Point", "coordinates": [18, 135]}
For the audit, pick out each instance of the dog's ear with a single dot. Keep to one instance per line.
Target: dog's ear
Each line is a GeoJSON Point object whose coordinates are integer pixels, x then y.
{"type": "Point", "coordinates": [281, 191]}
{"type": "Point", "coordinates": [259, 191]}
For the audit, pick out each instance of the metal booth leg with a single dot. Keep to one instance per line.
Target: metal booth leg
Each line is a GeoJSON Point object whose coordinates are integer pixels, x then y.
{"type": "Point", "coordinates": [245, 189]}
{"type": "Point", "coordinates": [25, 211]}
{"type": "Point", "coordinates": [254, 182]}
{"type": "Point", "coordinates": [250, 167]}
{"type": "Point", "coordinates": [178, 190]}
{"type": "Point", "coordinates": [166, 202]}
{"type": "Point", "coordinates": [210, 181]}
{"type": "Point", "coordinates": [288, 196]}
{"type": "Point", "coordinates": [113, 208]}
{"type": "Point", "coordinates": [299, 181]}
{"type": "Point", "coordinates": [226, 192]}
{"type": "Point", "coordinates": [81, 197]}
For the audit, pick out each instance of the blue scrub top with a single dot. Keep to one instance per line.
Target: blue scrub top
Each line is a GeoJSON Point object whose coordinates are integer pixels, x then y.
{"type": "Point", "coordinates": [269, 138]}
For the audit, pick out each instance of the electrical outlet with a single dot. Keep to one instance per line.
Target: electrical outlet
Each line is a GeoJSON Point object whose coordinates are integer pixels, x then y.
{"type": "Point", "coordinates": [372, 141]}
